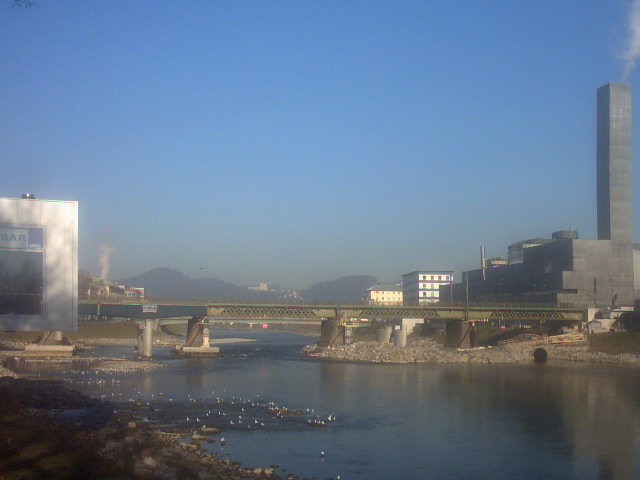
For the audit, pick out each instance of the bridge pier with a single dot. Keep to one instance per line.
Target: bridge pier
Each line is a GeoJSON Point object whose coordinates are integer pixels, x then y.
{"type": "Point", "coordinates": [145, 339]}
{"type": "Point", "coordinates": [461, 334]}
{"type": "Point", "coordinates": [383, 334]}
{"type": "Point", "coordinates": [400, 337]}
{"type": "Point", "coordinates": [329, 331]}
{"type": "Point", "coordinates": [197, 332]}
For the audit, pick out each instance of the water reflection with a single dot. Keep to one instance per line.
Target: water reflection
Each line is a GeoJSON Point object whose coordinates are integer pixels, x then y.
{"type": "Point", "coordinates": [585, 410]}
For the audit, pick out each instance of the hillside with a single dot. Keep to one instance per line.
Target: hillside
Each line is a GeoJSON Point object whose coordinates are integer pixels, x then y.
{"type": "Point", "coordinates": [172, 284]}
{"type": "Point", "coordinates": [168, 283]}
{"type": "Point", "coordinates": [341, 290]}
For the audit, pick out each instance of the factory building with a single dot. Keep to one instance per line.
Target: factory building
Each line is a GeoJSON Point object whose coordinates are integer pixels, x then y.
{"type": "Point", "coordinates": [564, 269]}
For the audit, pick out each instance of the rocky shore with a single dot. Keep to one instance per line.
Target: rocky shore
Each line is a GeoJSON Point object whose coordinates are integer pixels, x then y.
{"type": "Point", "coordinates": [11, 361]}
{"type": "Point", "coordinates": [50, 431]}
{"type": "Point", "coordinates": [427, 350]}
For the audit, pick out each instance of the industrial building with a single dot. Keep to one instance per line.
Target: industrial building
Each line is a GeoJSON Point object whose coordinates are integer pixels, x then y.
{"type": "Point", "coordinates": [422, 287]}
{"type": "Point", "coordinates": [564, 269]}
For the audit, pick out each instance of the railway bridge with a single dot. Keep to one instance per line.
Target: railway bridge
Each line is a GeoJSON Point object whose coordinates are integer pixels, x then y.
{"type": "Point", "coordinates": [199, 317]}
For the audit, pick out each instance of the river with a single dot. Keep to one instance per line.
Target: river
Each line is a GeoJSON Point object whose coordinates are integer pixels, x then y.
{"type": "Point", "coordinates": [561, 421]}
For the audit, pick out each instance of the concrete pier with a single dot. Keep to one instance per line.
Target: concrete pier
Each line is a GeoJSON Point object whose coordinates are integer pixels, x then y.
{"type": "Point", "coordinates": [329, 331]}
{"type": "Point", "coordinates": [145, 339]}
{"type": "Point", "coordinates": [400, 337]}
{"type": "Point", "coordinates": [461, 334]}
{"type": "Point", "coordinates": [197, 342]}
{"type": "Point", "coordinates": [383, 334]}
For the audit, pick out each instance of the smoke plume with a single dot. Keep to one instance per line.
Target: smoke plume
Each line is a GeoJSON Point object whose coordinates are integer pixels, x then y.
{"type": "Point", "coordinates": [106, 249]}
{"type": "Point", "coordinates": [632, 49]}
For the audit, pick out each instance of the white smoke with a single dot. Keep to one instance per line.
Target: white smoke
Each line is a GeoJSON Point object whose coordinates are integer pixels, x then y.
{"type": "Point", "coordinates": [106, 249]}
{"type": "Point", "coordinates": [632, 49]}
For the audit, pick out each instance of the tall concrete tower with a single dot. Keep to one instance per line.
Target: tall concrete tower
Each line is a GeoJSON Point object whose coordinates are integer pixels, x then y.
{"type": "Point", "coordinates": [614, 163]}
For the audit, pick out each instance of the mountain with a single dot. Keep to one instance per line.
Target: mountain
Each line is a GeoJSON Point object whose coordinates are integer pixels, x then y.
{"type": "Point", "coordinates": [349, 289]}
{"type": "Point", "coordinates": [171, 284]}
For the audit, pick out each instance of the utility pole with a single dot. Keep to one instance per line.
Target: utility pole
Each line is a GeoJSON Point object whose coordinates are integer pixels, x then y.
{"type": "Point", "coordinates": [466, 294]}
{"type": "Point", "coordinates": [451, 289]}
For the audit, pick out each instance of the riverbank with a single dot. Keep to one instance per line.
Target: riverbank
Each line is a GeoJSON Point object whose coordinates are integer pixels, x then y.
{"type": "Point", "coordinates": [427, 350]}
{"type": "Point", "coordinates": [20, 361]}
{"type": "Point", "coordinates": [50, 431]}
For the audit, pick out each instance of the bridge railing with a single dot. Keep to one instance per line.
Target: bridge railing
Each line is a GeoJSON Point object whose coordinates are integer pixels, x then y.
{"type": "Point", "coordinates": [436, 305]}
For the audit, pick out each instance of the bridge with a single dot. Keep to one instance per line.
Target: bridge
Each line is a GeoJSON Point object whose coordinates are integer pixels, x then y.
{"type": "Point", "coordinates": [199, 317]}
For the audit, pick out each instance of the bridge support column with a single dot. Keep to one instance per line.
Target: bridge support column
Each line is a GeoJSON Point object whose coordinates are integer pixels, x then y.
{"type": "Point", "coordinates": [197, 333]}
{"type": "Point", "coordinates": [145, 339]}
{"type": "Point", "coordinates": [461, 334]}
{"type": "Point", "coordinates": [383, 334]}
{"type": "Point", "coordinates": [400, 337]}
{"type": "Point", "coordinates": [329, 332]}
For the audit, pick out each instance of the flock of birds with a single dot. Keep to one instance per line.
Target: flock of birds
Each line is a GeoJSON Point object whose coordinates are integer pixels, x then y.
{"type": "Point", "coordinates": [241, 420]}
{"type": "Point", "coordinates": [235, 416]}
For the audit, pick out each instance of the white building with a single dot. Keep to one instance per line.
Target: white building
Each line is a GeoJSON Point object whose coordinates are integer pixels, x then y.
{"type": "Point", "coordinates": [423, 286]}
{"type": "Point", "coordinates": [38, 264]}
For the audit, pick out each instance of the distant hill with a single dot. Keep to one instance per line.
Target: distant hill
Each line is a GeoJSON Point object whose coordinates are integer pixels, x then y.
{"type": "Point", "coordinates": [171, 284]}
{"type": "Point", "coordinates": [342, 290]}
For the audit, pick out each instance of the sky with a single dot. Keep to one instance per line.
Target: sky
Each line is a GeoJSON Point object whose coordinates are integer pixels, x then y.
{"type": "Point", "coordinates": [300, 141]}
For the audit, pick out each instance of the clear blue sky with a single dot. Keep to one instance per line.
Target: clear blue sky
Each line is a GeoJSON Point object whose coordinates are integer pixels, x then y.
{"type": "Point", "coordinates": [299, 141]}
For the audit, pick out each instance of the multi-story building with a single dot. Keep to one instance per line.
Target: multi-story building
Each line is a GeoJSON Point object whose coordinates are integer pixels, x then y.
{"type": "Point", "coordinates": [423, 286]}
{"type": "Point", "coordinates": [384, 295]}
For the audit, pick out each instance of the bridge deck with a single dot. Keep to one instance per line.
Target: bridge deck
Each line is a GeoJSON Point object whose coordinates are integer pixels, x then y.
{"type": "Point", "coordinates": [316, 313]}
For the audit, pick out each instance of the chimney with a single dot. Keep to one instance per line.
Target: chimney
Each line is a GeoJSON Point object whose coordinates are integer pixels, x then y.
{"type": "Point", "coordinates": [614, 163]}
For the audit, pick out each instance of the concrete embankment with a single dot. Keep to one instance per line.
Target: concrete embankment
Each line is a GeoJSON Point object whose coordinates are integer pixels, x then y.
{"type": "Point", "coordinates": [427, 350]}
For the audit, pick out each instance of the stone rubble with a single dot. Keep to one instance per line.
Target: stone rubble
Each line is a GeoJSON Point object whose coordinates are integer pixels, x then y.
{"type": "Point", "coordinates": [427, 350]}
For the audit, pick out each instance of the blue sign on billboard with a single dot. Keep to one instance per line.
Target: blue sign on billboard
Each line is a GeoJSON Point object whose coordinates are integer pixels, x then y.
{"type": "Point", "coordinates": [21, 270]}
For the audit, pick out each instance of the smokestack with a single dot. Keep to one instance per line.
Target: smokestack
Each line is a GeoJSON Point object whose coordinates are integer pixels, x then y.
{"type": "Point", "coordinates": [614, 163]}
{"type": "Point", "coordinates": [483, 263]}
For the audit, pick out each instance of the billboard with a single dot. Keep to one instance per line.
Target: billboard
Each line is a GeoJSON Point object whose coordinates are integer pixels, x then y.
{"type": "Point", "coordinates": [38, 264]}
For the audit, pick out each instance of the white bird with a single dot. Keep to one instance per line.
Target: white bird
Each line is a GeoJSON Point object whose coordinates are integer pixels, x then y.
{"type": "Point", "coordinates": [322, 454]}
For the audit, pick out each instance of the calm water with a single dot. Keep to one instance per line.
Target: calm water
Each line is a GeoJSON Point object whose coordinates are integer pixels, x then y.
{"type": "Point", "coordinates": [560, 421]}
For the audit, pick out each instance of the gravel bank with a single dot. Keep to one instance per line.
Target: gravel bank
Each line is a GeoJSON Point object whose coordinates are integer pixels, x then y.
{"type": "Point", "coordinates": [426, 350]}
{"type": "Point", "coordinates": [10, 361]}
{"type": "Point", "coordinates": [50, 431]}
